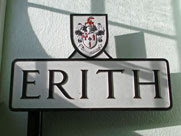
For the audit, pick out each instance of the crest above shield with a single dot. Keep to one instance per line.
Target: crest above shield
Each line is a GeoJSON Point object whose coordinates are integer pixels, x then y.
{"type": "Point", "coordinates": [89, 33]}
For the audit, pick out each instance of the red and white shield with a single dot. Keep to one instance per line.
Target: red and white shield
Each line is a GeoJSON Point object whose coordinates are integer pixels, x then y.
{"type": "Point", "coordinates": [89, 33]}
{"type": "Point", "coordinates": [90, 40]}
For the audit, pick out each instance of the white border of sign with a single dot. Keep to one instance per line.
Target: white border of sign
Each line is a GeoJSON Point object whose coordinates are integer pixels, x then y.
{"type": "Point", "coordinates": [45, 109]}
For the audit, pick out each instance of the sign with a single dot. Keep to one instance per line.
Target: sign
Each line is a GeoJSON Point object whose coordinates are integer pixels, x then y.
{"type": "Point", "coordinates": [52, 84]}
{"type": "Point", "coordinates": [90, 83]}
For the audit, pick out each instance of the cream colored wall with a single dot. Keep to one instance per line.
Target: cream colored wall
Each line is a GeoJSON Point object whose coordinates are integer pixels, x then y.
{"type": "Point", "coordinates": [137, 28]}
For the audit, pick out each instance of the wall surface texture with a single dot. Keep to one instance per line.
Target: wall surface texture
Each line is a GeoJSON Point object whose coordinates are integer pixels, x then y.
{"type": "Point", "coordinates": [2, 16]}
{"type": "Point", "coordinates": [137, 29]}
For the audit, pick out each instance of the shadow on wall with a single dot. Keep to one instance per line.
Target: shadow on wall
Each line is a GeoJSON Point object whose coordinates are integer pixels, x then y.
{"type": "Point", "coordinates": [20, 41]}
{"type": "Point", "coordinates": [130, 46]}
{"type": "Point", "coordinates": [177, 21]}
{"type": "Point", "coordinates": [89, 123]}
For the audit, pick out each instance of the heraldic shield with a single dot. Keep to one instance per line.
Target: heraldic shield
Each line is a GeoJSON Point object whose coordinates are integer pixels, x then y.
{"type": "Point", "coordinates": [89, 33]}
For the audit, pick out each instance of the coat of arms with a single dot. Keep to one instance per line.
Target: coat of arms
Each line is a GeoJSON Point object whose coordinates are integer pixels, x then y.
{"type": "Point", "coordinates": [89, 33]}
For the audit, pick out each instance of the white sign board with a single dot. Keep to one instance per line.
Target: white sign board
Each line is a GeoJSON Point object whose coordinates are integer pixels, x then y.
{"type": "Point", "coordinates": [50, 84]}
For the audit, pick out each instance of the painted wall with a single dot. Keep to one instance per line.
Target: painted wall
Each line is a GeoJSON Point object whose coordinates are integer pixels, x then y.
{"type": "Point", "coordinates": [2, 16]}
{"type": "Point", "coordinates": [137, 28]}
